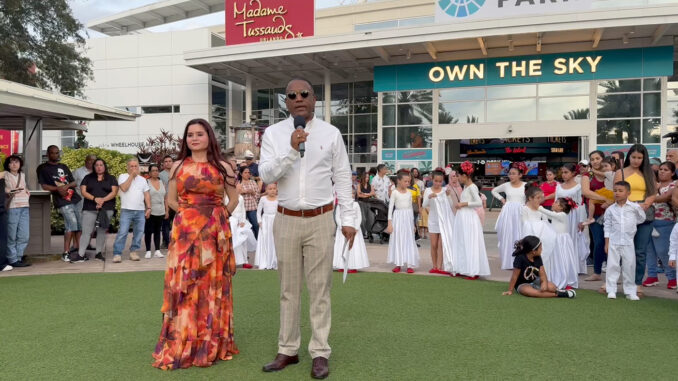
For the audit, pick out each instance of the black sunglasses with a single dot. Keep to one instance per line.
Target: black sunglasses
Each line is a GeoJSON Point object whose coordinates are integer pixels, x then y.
{"type": "Point", "coordinates": [293, 94]}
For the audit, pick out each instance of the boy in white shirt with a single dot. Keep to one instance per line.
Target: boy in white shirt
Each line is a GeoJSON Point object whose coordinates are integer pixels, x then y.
{"type": "Point", "coordinates": [621, 220]}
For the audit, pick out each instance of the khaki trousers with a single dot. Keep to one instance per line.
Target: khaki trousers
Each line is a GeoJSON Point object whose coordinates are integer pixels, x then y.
{"type": "Point", "coordinates": [304, 247]}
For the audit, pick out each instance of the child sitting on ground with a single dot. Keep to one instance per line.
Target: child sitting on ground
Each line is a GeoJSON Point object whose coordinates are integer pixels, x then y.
{"type": "Point", "coordinates": [529, 277]}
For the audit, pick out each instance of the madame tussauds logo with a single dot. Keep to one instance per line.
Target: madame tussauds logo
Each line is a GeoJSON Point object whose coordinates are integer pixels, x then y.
{"type": "Point", "coordinates": [460, 8]}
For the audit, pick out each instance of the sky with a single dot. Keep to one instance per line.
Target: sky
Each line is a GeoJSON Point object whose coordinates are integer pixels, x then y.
{"type": "Point", "coordinates": [87, 10]}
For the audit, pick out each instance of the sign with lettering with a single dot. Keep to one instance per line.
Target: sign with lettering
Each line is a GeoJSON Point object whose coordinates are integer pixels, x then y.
{"type": "Point", "coordinates": [9, 142]}
{"type": "Point", "coordinates": [268, 20]}
{"type": "Point", "coordinates": [560, 67]}
{"type": "Point", "coordinates": [448, 11]}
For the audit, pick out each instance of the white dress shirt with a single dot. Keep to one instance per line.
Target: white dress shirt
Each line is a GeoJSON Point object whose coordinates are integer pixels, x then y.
{"type": "Point", "coordinates": [621, 222]}
{"type": "Point", "coordinates": [78, 175]}
{"type": "Point", "coordinates": [381, 186]}
{"type": "Point", "coordinates": [306, 183]}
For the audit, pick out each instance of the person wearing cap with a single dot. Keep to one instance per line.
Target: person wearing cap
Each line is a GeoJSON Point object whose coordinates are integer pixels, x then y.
{"type": "Point", "coordinates": [584, 169]}
{"type": "Point", "coordinates": [249, 163]}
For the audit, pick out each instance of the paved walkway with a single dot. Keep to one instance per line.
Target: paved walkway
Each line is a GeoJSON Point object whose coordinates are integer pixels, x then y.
{"type": "Point", "coordinates": [376, 252]}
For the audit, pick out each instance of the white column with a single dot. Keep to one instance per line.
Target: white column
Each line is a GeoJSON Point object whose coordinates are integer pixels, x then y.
{"type": "Point", "coordinates": [248, 97]}
{"type": "Point", "coordinates": [32, 150]}
{"type": "Point", "coordinates": [328, 96]}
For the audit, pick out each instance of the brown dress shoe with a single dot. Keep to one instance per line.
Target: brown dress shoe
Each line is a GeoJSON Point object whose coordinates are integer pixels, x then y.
{"type": "Point", "coordinates": [280, 362]}
{"type": "Point", "coordinates": [320, 368]}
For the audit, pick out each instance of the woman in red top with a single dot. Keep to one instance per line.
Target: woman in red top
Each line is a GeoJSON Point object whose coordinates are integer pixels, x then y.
{"type": "Point", "coordinates": [549, 189]}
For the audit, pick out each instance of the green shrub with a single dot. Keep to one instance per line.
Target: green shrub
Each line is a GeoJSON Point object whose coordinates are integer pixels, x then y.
{"type": "Point", "coordinates": [75, 158]}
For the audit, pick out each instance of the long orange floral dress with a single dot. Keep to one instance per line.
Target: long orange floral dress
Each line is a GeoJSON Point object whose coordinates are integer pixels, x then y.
{"type": "Point", "coordinates": [197, 326]}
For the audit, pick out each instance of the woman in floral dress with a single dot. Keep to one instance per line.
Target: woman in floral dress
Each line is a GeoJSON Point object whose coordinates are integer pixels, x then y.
{"type": "Point", "coordinates": [197, 307]}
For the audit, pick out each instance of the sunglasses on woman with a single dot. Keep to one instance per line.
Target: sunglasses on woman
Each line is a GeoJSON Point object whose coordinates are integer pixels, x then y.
{"type": "Point", "coordinates": [293, 94]}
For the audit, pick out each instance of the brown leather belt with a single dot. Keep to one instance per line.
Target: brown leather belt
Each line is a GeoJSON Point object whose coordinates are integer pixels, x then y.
{"type": "Point", "coordinates": [308, 212]}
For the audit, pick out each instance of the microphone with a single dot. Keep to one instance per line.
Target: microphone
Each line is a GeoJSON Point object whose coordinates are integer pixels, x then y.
{"type": "Point", "coordinates": [300, 123]}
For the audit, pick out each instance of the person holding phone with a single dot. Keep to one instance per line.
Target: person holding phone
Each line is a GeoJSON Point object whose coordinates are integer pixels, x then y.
{"type": "Point", "coordinates": [18, 221]}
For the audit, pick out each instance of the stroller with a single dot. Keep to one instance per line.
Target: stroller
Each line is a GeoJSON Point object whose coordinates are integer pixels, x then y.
{"type": "Point", "coordinates": [376, 220]}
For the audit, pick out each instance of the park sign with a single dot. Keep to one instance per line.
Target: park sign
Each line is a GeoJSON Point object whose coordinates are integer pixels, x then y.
{"type": "Point", "coordinates": [452, 11]}
{"type": "Point", "coordinates": [268, 20]}
{"type": "Point", "coordinates": [559, 67]}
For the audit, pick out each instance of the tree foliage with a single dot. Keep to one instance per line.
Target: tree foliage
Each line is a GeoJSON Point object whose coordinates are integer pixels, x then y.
{"type": "Point", "coordinates": [44, 35]}
{"type": "Point", "coordinates": [159, 146]}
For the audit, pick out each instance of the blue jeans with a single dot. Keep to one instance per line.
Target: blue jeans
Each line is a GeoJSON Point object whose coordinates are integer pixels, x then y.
{"type": "Point", "coordinates": [640, 243]}
{"type": "Point", "coordinates": [17, 233]}
{"type": "Point", "coordinates": [659, 248]}
{"type": "Point", "coordinates": [72, 218]}
{"type": "Point", "coordinates": [252, 218]}
{"type": "Point", "coordinates": [128, 217]}
{"type": "Point", "coordinates": [599, 256]}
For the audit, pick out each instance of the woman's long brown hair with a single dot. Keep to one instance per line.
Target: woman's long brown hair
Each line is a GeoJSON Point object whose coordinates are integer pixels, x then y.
{"type": "Point", "coordinates": [213, 151]}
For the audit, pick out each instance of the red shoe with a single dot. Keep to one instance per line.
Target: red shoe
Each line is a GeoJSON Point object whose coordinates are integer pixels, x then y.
{"type": "Point", "coordinates": [340, 270]}
{"type": "Point", "coordinates": [410, 270]}
{"type": "Point", "coordinates": [396, 269]}
{"type": "Point", "coordinates": [352, 271]}
{"type": "Point", "coordinates": [247, 266]}
{"type": "Point", "coordinates": [672, 285]}
{"type": "Point", "coordinates": [444, 272]}
{"type": "Point", "coordinates": [472, 277]}
{"type": "Point", "coordinates": [568, 287]}
{"type": "Point", "coordinates": [650, 281]}
{"type": "Point", "coordinates": [433, 271]}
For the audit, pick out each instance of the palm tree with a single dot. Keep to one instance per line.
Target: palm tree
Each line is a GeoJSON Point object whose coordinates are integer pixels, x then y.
{"type": "Point", "coordinates": [582, 113]}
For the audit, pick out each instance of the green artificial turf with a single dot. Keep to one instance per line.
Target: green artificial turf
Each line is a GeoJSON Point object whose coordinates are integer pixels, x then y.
{"type": "Point", "coordinates": [385, 327]}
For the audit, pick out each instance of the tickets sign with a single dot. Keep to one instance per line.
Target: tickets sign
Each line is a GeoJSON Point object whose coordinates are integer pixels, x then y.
{"type": "Point", "coordinates": [268, 20]}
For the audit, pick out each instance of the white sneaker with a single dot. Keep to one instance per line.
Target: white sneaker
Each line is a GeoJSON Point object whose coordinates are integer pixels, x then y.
{"type": "Point", "coordinates": [148, 255]}
{"type": "Point", "coordinates": [612, 295]}
{"type": "Point", "coordinates": [632, 297]}
{"type": "Point", "coordinates": [157, 254]}
{"type": "Point", "coordinates": [8, 268]}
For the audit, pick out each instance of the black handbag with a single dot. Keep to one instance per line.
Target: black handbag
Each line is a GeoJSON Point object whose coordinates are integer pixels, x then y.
{"type": "Point", "coordinates": [103, 221]}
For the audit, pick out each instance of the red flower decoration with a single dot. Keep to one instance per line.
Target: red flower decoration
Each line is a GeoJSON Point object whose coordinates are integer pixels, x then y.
{"type": "Point", "coordinates": [520, 166]}
{"type": "Point", "coordinates": [467, 168]}
{"type": "Point", "coordinates": [571, 203]}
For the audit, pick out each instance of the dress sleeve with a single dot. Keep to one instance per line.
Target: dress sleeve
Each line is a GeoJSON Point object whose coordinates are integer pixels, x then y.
{"type": "Point", "coordinates": [558, 216]}
{"type": "Point", "coordinates": [358, 215]}
{"type": "Point", "coordinates": [475, 201]}
{"type": "Point", "coordinates": [498, 189]}
{"type": "Point", "coordinates": [607, 224]}
{"type": "Point", "coordinates": [426, 200]}
{"type": "Point", "coordinates": [260, 209]}
{"type": "Point", "coordinates": [391, 205]}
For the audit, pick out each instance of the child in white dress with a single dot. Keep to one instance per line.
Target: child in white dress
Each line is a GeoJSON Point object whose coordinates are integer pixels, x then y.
{"type": "Point", "coordinates": [402, 249]}
{"type": "Point", "coordinates": [509, 226]}
{"type": "Point", "coordinates": [534, 223]}
{"type": "Point", "coordinates": [440, 222]}
{"type": "Point", "coordinates": [241, 235]}
{"type": "Point", "coordinates": [266, 211]}
{"type": "Point", "coordinates": [563, 263]}
{"type": "Point", "coordinates": [580, 237]}
{"type": "Point", "coordinates": [469, 257]}
{"type": "Point", "coordinates": [357, 255]}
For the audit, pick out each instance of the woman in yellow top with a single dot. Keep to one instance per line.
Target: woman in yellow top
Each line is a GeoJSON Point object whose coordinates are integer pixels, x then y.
{"type": "Point", "coordinates": [638, 173]}
{"type": "Point", "coordinates": [416, 205]}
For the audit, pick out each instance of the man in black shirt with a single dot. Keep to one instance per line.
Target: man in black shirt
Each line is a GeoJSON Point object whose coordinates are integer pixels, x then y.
{"type": "Point", "coordinates": [58, 179]}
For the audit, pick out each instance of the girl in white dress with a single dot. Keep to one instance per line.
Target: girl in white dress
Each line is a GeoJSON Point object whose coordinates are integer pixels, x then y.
{"type": "Point", "coordinates": [402, 249]}
{"type": "Point", "coordinates": [268, 207]}
{"type": "Point", "coordinates": [534, 223]}
{"type": "Point", "coordinates": [440, 222]}
{"type": "Point", "coordinates": [242, 235]}
{"type": "Point", "coordinates": [509, 226]}
{"type": "Point", "coordinates": [469, 257]}
{"type": "Point", "coordinates": [563, 261]}
{"type": "Point", "coordinates": [357, 255]}
{"type": "Point", "coordinates": [580, 238]}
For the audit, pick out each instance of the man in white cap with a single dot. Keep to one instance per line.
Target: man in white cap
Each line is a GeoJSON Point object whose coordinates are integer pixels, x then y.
{"type": "Point", "coordinates": [583, 168]}
{"type": "Point", "coordinates": [249, 163]}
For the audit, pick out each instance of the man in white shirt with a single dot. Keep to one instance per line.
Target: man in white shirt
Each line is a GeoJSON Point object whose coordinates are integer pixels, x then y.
{"type": "Point", "coordinates": [135, 208]}
{"type": "Point", "coordinates": [621, 220]}
{"type": "Point", "coordinates": [304, 225]}
{"type": "Point", "coordinates": [381, 183]}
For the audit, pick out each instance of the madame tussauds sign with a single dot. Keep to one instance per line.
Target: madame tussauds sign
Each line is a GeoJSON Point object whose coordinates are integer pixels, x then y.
{"type": "Point", "coordinates": [468, 10]}
{"type": "Point", "coordinates": [268, 20]}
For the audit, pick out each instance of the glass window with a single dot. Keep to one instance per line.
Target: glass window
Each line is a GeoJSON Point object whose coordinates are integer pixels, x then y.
{"type": "Point", "coordinates": [652, 84]}
{"type": "Point", "coordinates": [389, 98]}
{"type": "Point", "coordinates": [415, 96]}
{"type": "Point", "coordinates": [340, 122]}
{"type": "Point", "coordinates": [388, 137]}
{"type": "Point", "coordinates": [363, 92]}
{"type": "Point", "coordinates": [156, 109]}
{"type": "Point", "coordinates": [364, 108]}
{"type": "Point", "coordinates": [415, 21]}
{"type": "Point", "coordinates": [339, 93]}
{"type": "Point", "coordinates": [619, 131]}
{"type": "Point", "coordinates": [362, 143]}
{"type": "Point", "coordinates": [362, 123]}
{"type": "Point", "coordinates": [414, 137]}
{"type": "Point", "coordinates": [512, 110]}
{"type": "Point", "coordinates": [461, 112]}
{"type": "Point", "coordinates": [176, 109]}
{"type": "Point", "coordinates": [652, 130]}
{"type": "Point", "coordinates": [620, 86]}
{"type": "Point", "coordinates": [673, 111]}
{"type": "Point", "coordinates": [412, 114]}
{"type": "Point", "coordinates": [517, 91]}
{"type": "Point", "coordinates": [463, 94]}
{"type": "Point", "coordinates": [652, 104]}
{"type": "Point", "coordinates": [389, 117]}
{"type": "Point", "coordinates": [619, 106]}
{"type": "Point", "coordinates": [560, 108]}
{"type": "Point", "coordinates": [565, 88]}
